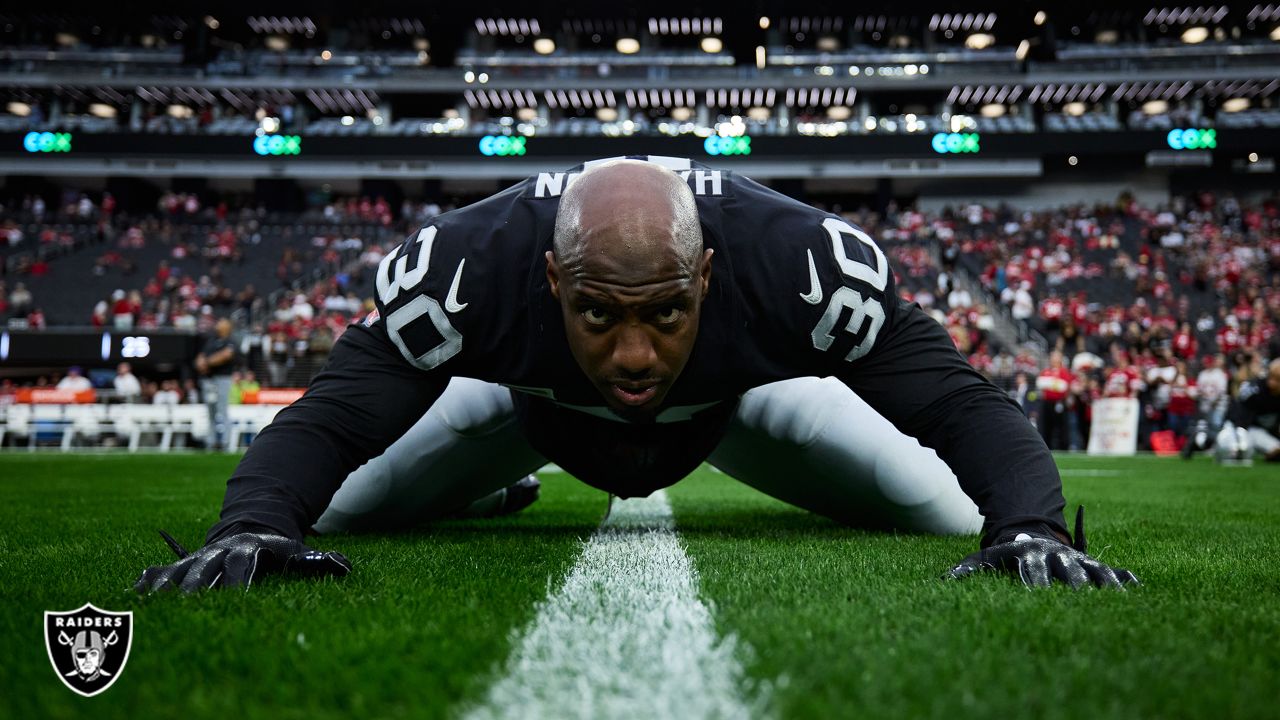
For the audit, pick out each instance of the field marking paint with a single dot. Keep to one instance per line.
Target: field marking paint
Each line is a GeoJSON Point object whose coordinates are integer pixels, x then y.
{"type": "Point", "coordinates": [550, 468]}
{"type": "Point", "coordinates": [1077, 472]}
{"type": "Point", "coordinates": [626, 636]}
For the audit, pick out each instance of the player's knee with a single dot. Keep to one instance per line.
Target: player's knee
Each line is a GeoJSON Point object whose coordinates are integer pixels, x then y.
{"type": "Point", "coordinates": [796, 411]}
{"type": "Point", "coordinates": [472, 408]}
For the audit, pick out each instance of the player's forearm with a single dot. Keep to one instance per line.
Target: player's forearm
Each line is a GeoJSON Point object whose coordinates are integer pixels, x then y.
{"type": "Point", "coordinates": [285, 480]}
{"type": "Point", "coordinates": [364, 399]}
{"type": "Point", "coordinates": [999, 459]}
{"type": "Point", "coordinates": [917, 380]}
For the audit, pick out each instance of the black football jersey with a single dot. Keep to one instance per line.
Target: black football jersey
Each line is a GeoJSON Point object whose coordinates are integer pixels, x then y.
{"type": "Point", "coordinates": [794, 292]}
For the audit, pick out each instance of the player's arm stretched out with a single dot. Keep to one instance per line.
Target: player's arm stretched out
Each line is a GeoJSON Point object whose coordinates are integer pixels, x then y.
{"type": "Point", "coordinates": [365, 398]}
{"type": "Point", "coordinates": [905, 366]}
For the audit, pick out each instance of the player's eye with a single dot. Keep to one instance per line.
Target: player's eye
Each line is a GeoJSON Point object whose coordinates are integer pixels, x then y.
{"type": "Point", "coordinates": [596, 316]}
{"type": "Point", "coordinates": [668, 315]}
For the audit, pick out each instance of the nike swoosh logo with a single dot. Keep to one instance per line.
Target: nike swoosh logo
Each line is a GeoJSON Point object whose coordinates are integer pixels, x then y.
{"type": "Point", "coordinates": [451, 301]}
{"type": "Point", "coordinates": [814, 296]}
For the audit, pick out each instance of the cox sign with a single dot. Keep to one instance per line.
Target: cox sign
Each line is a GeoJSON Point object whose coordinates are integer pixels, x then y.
{"type": "Point", "coordinates": [955, 143]}
{"type": "Point", "coordinates": [47, 142]}
{"type": "Point", "coordinates": [277, 145]}
{"type": "Point", "coordinates": [1192, 139]}
{"type": "Point", "coordinates": [740, 145]}
{"type": "Point", "coordinates": [501, 145]}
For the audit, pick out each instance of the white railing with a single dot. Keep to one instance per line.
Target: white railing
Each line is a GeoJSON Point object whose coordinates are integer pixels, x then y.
{"type": "Point", "coordinates": [87, 425]}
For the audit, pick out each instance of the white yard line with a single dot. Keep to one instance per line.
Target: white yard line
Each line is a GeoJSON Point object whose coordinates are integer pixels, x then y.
{"type": "Point", "coordinates": [626, 636]}
{"type": "Point", "coordinates": [1079, 472]}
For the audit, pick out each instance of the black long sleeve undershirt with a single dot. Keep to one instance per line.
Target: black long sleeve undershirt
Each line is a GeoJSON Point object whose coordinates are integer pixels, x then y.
{"type": "Point", "coordinates": [366, 397]}
{"type": "Point", "coordinates": [918, 380]}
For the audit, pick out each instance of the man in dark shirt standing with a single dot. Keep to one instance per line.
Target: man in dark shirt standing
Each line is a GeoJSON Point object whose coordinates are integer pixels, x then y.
{"type": "Point", "coordinates": [215, 364]}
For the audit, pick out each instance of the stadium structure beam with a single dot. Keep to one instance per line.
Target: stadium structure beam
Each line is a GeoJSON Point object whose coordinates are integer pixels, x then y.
{"type": "Point", "coordinates": [453, 83]}
{"type": "Point", "coordinates": [463, 169]}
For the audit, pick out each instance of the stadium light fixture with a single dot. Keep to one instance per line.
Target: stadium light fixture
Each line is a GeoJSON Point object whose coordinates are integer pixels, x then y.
{"type": "Point", "coordinates": [1040, 17]}
{"type": "Point", "coordinates": [179, 111]}
{"type": "Point", "coordinates": [1194, 35]}
{"type": "Point", "coordinates": [681, 114]}
{"type": "Point", "coordinates": [348, 120]}
{"type": "Point", "coordinates": [764, 23]}
{"type": "Point", "coordinates": [326, 55]}
{"type": "Point", "coordinates": [1236, 104]}
{"type": "Point", "coordinates": [1074, 109]}
{"type": "Point", "coordinates": [1024, 47]}
{"type": "Point", "coordinates": [869, 123]}
{"type": "Point", "coordinates": [1155, 107]}
{"type": "Point", "coordinates": [468, 77]}
{"type": "Point", "coordinates": [839, 112]}
{"type": "Point", "coordinates": [1073, 160]}
{"type": "Point", "coordinates": [761, 57]}
{"type": "Point", "coordinates": [758, 114]}
{"type": "Point", "coordinates": [212, 22]}
{"type": "Point", "coordinates": [606, 114]}
{"type": "Point", "coordinates": [827, 43]}
{"type": "Point", "coordinates": [270, 124]}
{"type": "Point", "coordinates": [910, 69]}
{"type": "Point", "coordinates": [711, 45]}
{"type": "Point", "coordinates": [20, 109]}
{"type": "Point", "coordinates": [277, 43]}
{"type": "Point", "coordinates": [979, 41]}
{"type": "Point", "coordinates": [544, 46]}
{"type": "Point", "coordinates": [992, 110]}
{"type": "Point", "coordinates": [527, 114]}
{"type": "Point", "coordinates": [102, 110]}
{"type": "Point", "coordinates": [1275, 33]}
{"type": "Point", "coordinates": [627, 45]}
{"type": "Point", "coordinates": [1253, 157]}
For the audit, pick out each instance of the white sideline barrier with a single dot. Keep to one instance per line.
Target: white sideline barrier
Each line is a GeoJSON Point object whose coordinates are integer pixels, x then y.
{"type": "Point", "coordinates": [249, 419]}
{"type": "Point", "coordinates": [91, 421]}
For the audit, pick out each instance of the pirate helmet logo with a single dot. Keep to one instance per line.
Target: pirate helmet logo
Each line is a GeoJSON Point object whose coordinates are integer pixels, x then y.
{"type": "Point", "coordinates": [88, 647]}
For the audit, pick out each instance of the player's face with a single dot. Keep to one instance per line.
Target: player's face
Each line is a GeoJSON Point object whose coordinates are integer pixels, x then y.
{"type": "Point", "coordinates": [631, 324]}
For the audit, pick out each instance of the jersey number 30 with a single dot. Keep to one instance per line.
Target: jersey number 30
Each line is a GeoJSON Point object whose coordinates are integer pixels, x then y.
{"type": "Point", "coordinates": [394, 276]}
{"type": "Point", "coordinates": [866, 310]}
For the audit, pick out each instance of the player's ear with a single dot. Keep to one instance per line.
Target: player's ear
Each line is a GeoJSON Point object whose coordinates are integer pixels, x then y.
{"type": "Point", "coordinates": [705, 273]}
{"type": "Point", "coordinates": [553, 275]}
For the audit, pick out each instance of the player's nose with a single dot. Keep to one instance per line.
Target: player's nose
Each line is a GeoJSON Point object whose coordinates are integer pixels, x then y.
{"type": "Point", "coordinates": [633, 351]}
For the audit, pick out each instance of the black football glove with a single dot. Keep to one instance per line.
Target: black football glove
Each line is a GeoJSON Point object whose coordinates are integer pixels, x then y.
{"type": "Point", "coordinates": [237, 560]}
{"type": "Point", "coordinates": [1038, 557]}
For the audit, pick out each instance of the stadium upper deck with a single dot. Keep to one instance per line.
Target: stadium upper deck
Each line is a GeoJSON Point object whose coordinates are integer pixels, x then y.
{"type": "Point", "coordinates": [556, 70]}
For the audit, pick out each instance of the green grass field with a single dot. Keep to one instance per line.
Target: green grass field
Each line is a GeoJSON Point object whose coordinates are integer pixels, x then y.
{"type": "Point", "coordinates": [838, 622]}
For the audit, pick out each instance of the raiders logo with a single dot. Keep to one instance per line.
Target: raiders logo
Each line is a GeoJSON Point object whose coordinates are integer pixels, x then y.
{"type": "Point", "coordinates": [88, 646]}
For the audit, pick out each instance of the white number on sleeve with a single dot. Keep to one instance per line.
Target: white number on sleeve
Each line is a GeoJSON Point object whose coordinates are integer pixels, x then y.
{"type": "Point", "coordinates": [866, 310]}
{"type": "Point", "coordinates": [394, 276]}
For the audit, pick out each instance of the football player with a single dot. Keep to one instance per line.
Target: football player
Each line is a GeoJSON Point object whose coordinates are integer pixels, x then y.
{"type": "Point", "coordinates": [629, 320]}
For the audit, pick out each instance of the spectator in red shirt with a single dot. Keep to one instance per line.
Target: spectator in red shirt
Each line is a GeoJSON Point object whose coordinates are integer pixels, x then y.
{"type": "Point", "coordinates": [1182, 402]}
{"type": "Point", "coordinates": [1054, 385]}
{"type": "Point", "coordinates": [1184, 343]}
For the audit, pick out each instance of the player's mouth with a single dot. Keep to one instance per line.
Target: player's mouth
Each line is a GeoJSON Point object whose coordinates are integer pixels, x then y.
{"type": "Point", "coordinates": [632, 394]}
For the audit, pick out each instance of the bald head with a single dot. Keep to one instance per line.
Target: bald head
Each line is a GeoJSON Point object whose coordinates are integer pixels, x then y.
{"type": "Point", "coordinates": [632, 210]}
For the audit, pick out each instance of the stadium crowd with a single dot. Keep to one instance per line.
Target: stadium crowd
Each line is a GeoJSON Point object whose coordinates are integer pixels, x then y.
{"type": "Point", "coordinates": [1174, 306]}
